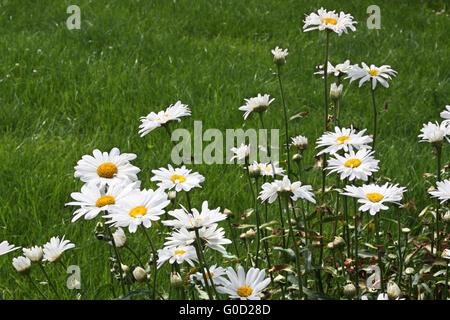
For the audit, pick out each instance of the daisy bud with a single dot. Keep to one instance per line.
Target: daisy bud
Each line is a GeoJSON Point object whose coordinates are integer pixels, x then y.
{"type": "Point", "coordinates": [336, 91]}
{"type": "Point", "coordinates": [280, 279]}
{"type": "Point", "coordinates": [35, 253]}
{"type": "Point", "coordinates": [172, 195]}
{"type": "Point", "coordinates": [254, 171]}
{"type": "Point", "coordinates": [250, 234]}
{"type": "Point", "coordinates": [393, 290]}
{"type": "Point", "coordinates": [297, 157]}
{"type": "Point", "coordinates": [175, 280]}
{"type": "Point", "coordinates": [279, 56]}
{"type": "Point", "coordinates": [120, 239]}
{"type": "Point", "coordinates": [227, 212]}
{"type": "Point", "coordinates": [409, 271]}
{"type": "Point", "coordinates": [330, 245]}
{"type": "Point", "coordinates": [446, 217]}
{"type": "Point", "coordinates": [22, 264]}
{"type": "Point", "coordinates": [124, 267]}
{"type": "Point", "coordinates": [139, 274]}
{"type": "Point", "coordinates": [406, 230]}
{"type": "Point", "coordinates": [338, 242]}
{"type": "Point", "coordinates": [99, 231]}
{"type": "Point", "coordinates": [349, 290]}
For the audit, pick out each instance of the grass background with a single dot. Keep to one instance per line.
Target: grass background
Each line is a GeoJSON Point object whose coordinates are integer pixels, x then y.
{"type": "Point", "coordinates": [90, 87]}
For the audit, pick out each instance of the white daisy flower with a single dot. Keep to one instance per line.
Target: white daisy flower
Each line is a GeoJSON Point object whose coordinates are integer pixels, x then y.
{"type": "Point", "coordinates": [443, 191]}
{"type": "Point", "coordinates": [434, 132]}
{"type": "Point", "coordinates": [343, 139]}
{"type": "Point", "coordinates": [279, 55]}
{"type": "Point", "coordinates": [178, 178]}
{"type": "Point", "coordinates": [215, 276]}
{"type": "Point", "coordinates": [271, 190]}
{"type": "Point", "coordinates": [336, 91]}
{"type": "Point", "coordinates": [196, 219]}
{"type": "Point", "coordinates": [374, 73]}
{"type": "Point", "coordinates": [329, 20]}
{"type": "Point", "coordinates": [35, 254]}
{"type": "Point", "coordinates": [373, 196]}
{"type": "Point", "coordinates": [300, 142]}
{"type": "Point", "coordinates": [5, 247]}
{"type": "Point", "coordinates": [21, 264]}
{"type": "Point", "coordinates": [240, 285]}
{"type": "Point", "coordinates": [55, 248]}
{"type": "Point", "coordinates": [94, 199]}
{"type": "Point", "coordinates": [353, 165]}
{"type": "Point", "coordinates": [446, 115]}
{"type": "Point", "coordinates": [240, 153]}
{"type": "Point", "coordinates": [270, 169]}
{"type": "Point", "coordinates": [214, 238]}
{"type": "Point", "coordinates": [177, 254]}
{"type": "Point", "coordinates": [154, 120]}
{"type": "Point", "coordinates": [338, 71]}
{"type": "Point", "coordinates": [256, 104]}
{"type": "Point", "coordinates": [107, 168]}
{"type": "Point", "coordinates": [139, 207]}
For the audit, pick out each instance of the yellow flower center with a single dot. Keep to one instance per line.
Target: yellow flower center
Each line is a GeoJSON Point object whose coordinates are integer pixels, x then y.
{"type": "Point", "coordinates": [352, 163]}
{"type": "Point", "coordinates": [373, 72]}
{"type": "Point", "coordinates": [268, 169]}
{"type": "Point", "coordinates": [329, 21]}
{"type": "Point", "coordinates": [342, 139]}
{"type": "Point", "coordinates": [211, 274]}
{"type": "Point", "coordinates": [107, 170]}
{"type": "Point", "coordinates": [176, 177]}
{"type": "Point", "coordinates": [138, 211]}
{"type": "Point", "coordinates": [104, 201]}
{"type": "Point", "coordinates": [244, 291]}
{"type": "Point", "coordinates": [166, 115]}
{"type": "Point", "coordinates": [374, 197]}
{"type": "Point", "coordinates": [180, 252]}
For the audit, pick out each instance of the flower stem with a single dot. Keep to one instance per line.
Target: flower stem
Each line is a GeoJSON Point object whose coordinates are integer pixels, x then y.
{"type": "Point", "coordinates": [438, 207]}
{"type": "Point", "coordinates": [48, 279]}
{"type": "Point", "coordinates": [118, 260]}
{"type": "Point", "coordinates": [400, 258]}
{"type": "Point", "coordinates": [155, 269]}
{"type": "Point", "coordinates": [297, 256]}
{"type": "Point", "coordinates": [285, 123]}
{"type": "Point", "coordinates": [374, 120]}
{"type": "Point", "coordinates": [377, 235]}
{"type": "Point", "coordinates": [36, 287]}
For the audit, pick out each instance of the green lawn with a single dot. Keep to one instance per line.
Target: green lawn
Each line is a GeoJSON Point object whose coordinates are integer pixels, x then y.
{"type": "Point", "coordinates": [90, 87]}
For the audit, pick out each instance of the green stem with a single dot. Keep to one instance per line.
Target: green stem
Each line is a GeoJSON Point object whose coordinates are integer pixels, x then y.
{"type": "Point", "coordinates": [48, 279]}
{"type": "Point", "coordinates": [258, 233]}
{"type": "Point", "coordinates": [400, 258]}
{"type": "Point", "coordinates": [118, 260]}
{"type": "Point", "coordinates": [285, 122]}
{"type": "Point", "coordinates": [36, 287]}
{"type": "Point", "coordinates": [380, 261]}
{"type": "Point", "coordinates": [155, 269]}
{"type": "Point", "coordinates": [297, 255]}
{"type": "Point", "coordinates": [438, 207]}
{"type": "Point", "coordinates": [356, 246]}
{"type": "Point", "coordinates": [282, 222]}
{"type": "Point", "coordinates": [374, 120]}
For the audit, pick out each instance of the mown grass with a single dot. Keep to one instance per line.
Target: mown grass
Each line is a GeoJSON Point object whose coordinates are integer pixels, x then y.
{"type": "Point", "coordinates": [90, 87]}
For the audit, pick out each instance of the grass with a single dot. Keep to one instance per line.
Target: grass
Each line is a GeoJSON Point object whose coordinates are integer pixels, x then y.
{"type": "Point", "coordinates": [90, 87]}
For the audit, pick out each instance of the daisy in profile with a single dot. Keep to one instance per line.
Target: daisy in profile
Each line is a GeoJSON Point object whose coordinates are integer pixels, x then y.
{"type": "Point", "coordinates": [271, 190]}
{"type": "Point", "coordinates": [343, 139]}
{"type": "Point", "coordinates": [338, 71]}
{"type": "Point", "coordinates": [205, 218]}
{"type": "Point", "coordinates": [55, 248]}
{"type": "Point", "coordinates": [35, 254]}
{"type": "Point", "coordinates": [178, 254]}
{"type": "Point", "coordinates": [446, 115]}
{"type": "Point", "coordinates": [154, 120]}
{"type": "Point", "coordinates": [106, 168]}
{"type": "Point", "coordinates": [359, 165]}
{"type": "Point", "coordinates": [270, 169]}
{"type": "Point", "coordinates": [5, 247]}
{"type": "Point", "coordinates": [240, 285]}
{"type": "Point", "coordinates": [240, 153]}
{"type": "Point", "coordinates": [256, 104]}
{"type": "Point", "coordinates": [279, 55]}
{"type": "Point", "coordinates": [372, 73]}
{"type": "Point", "coordinates": [329, 20]}
{"type": "Point", "coordinates": [178, 179]}
{"type": "Point", "coordinates": [215, 276]}
{"type": "Point", "coordinates": [374, 197]}
{"type": "Point", "coordinates": [138, 208]}
{"type": "Point", "coordinates": [94, 199]}
{"type": "Point", "coordinates": [212, 236]}
{"type": "Point", "coordinates": [21, 264]}
{"type": "Point", "coordinates": [442, 192]}
{"type": "Point", "coordinates": [300, 142]}
{"type": "Point", "coordinates": [434, 132]}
